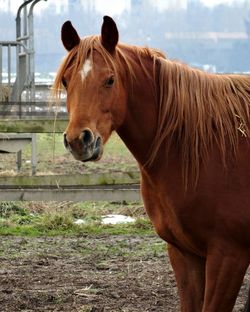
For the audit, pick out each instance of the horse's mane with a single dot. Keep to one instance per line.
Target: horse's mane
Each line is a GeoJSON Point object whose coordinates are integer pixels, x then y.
{"type": "Point", "coordinates": [196, 110]}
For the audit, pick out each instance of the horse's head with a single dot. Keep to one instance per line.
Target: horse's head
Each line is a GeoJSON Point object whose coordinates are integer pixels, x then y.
{"type": "Point", "coordinates": [95, 93]}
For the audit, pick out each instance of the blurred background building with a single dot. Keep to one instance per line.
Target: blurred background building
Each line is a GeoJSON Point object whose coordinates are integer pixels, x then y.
{"type": "Point", "coordinates": [210, 34]}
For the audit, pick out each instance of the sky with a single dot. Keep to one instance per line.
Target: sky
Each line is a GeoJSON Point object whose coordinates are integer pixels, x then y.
{"type": "Point", "coordinates": [115, 7]}
{"type": "Point", "coordinates": [211, 3]}
{"type": "Point", "coordinates": [111, 7]}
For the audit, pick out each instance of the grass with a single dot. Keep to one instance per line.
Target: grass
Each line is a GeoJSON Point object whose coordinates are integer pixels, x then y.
{"type": "Point", "coordinates": [125, 248]}
{"type": "Point", "coordinates": [36, 218]}
{"type": "Point", "coordinates": [39, 219]}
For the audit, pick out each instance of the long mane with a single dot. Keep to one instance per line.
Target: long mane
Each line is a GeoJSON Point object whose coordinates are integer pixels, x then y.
{"type": "Point", "coordinates": [196, 110]}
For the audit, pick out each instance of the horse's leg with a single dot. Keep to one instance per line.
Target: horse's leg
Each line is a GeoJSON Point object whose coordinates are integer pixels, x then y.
{"type": "Point", "coordinates": [190, 277]}
{"type": "Point", "coordinates": [224, 276]}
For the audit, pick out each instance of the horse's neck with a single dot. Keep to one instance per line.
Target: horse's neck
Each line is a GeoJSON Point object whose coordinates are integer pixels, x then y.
{"type": "Point", "coordinates": [139, 127]}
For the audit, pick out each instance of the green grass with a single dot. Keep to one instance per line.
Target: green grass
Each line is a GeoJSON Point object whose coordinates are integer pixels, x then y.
{"type": "Point", "coordinates": [39, 219]}
{"type": "Point", "coordinates": [41, 229]}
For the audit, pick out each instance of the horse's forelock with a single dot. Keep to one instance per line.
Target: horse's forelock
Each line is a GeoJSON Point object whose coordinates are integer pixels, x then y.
{"type": "Point", "coordinates": [77, 57]}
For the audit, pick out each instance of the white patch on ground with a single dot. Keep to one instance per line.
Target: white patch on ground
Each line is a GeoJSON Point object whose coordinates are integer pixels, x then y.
{"type": "Point", "coordinates": [116, 219]}
{"type": "Point", "coordinates": [109, 219]}
{"type": "Point", "coordinates": [80, 221]}
{"type": "Point", "coordinates": [87, 66]}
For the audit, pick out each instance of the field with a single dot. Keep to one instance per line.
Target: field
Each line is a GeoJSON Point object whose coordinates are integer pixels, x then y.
{"type": "Point", "coordinates": [48, 262]}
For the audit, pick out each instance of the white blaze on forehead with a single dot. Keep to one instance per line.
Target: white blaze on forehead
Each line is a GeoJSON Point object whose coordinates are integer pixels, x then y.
{"type": "Point", "coordinates": [87, 66]}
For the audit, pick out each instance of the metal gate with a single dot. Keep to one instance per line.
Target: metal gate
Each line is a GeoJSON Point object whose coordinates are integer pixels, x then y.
{"type": "Point", "coordinates": [17, 69]}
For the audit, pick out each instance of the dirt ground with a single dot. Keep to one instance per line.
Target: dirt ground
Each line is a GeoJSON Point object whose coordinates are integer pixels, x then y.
{"type": "Point", "coordinates": [89, 274]}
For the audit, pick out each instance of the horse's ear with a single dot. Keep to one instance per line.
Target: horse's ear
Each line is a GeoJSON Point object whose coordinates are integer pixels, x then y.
{"type": "Point", "coordinates": [109, 34]}
{"type": "Point", "coordinates": [69, 36]}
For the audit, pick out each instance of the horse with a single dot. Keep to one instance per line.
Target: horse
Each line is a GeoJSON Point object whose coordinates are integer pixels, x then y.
{"type": "Point", "coordinates": [189, 132]}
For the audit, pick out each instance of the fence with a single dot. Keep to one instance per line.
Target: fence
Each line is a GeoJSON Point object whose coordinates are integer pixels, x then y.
{"type": "Point", "coordinates": [34, 110]}
{"type": "Point", "coordinates": [88, 187]}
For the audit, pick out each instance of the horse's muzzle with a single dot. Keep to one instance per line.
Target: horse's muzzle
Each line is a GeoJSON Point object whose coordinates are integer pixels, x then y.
{"type": "Point", "coordinates": [87, 147]}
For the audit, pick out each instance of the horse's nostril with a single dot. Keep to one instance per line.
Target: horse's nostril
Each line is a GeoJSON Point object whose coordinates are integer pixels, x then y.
{"type": "Point", "coordinates": [87, 137]}
{"type": "Point", "coordinates": [98, 142]}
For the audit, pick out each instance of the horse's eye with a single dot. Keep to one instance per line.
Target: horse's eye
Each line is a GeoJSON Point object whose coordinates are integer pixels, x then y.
{"type": "Point", "coordinates": [109, 82]}
{"type": "Point", "coordinates": [64, 83]}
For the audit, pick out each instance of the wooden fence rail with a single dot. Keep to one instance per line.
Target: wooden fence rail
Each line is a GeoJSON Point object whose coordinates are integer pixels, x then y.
{"type": "Point", "coordinates": [89, 187]}
{"type": "Point", "coordinates": [33, 125]}
{"type": "Point", "coordinates": [74, 195]}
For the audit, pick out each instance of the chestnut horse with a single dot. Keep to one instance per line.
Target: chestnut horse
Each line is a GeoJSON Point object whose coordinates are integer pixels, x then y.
{"type": "Point", "coordinates": [189, 132]}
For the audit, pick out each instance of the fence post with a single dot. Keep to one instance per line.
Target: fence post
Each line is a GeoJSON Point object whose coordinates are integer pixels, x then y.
{"type": "Point", "coordinates": [33, 153]}
{"type": "Point", "coordinates": [19, 160]}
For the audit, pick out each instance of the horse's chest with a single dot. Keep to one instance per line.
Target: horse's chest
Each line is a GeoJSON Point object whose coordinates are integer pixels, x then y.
{"type": "Point", "coordinates": [167, 221]}
{"type": "Point", "coordinates": [162, 217]}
